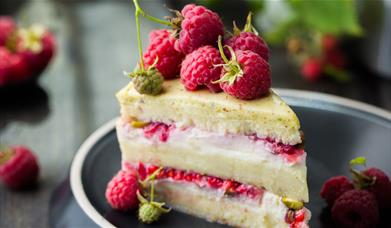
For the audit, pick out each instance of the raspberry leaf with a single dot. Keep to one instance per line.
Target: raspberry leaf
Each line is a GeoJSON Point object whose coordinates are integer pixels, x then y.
{"type": "Point", "coordinates": [360, 180]}
{"type": "Point", "coordinates": [232, 69]}
{"type": "Point", "coordinates": [358, 161]}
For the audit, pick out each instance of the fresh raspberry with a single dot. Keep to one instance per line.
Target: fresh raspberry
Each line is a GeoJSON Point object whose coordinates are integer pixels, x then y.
{"type": "Point", "coordinates": [312, 69]}
{"type": "Point", "coordinates": [255, 80]}
{"type": "Point", "coordinates": [37, 46]}
{"type": "Point", "coordinates": [381, 188]}
{"type": "Point", "coordinates": [249, 41]}
{"type": "Point", "coordinates": [336, 58]}
{"type": "Point", "coordinates": [7, 28]}
{"type": "Point", "coordinates": [19, 70]}
{"type": "Point", "coordinates": [5, 66]}
{"type": "Point", "coordinates": [329, 42]}
{"type": "Point", "coordinates": [121, 191]}
{"type": "Point", "coordinates": [149, 81]}
{"type": "Point", "coordinates": [334, 188]}
{"type": "Point", "coordinates": [355, 208]}
{"type": "Point", "coordinates": [18, 167]}
{"type": "Point", "coordinates": [199, 27]}
{"type": "Point", "coordinates": [161, 47]}
{"type": "Point", "coordinates": [199, 68]}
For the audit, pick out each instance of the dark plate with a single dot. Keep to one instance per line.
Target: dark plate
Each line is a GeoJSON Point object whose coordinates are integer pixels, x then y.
{"type": "Point", "coordinates": [336, 130]}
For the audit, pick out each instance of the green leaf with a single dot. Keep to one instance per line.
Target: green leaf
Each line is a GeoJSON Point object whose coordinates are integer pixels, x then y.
{"type": "Point", "coordinates": [331, 16]}
{"type": "Point", "coordinates": [339, 75]}
{"type": "Point", "coordinates": [256, 5]}
{"type": "Point", "coordinates": [358, 161]}
{"type": "Point", "coordinates": [281, 31]}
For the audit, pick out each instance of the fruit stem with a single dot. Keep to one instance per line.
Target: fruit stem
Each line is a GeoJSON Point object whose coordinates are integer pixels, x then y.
{"type": "Point", "coordinates": [152, 190]}
{"type": "Point", "coordinates": [139, 44]}
{"type": "Point", "coordinates": [154, 19]}
{"type": "Point", "coordinates": [221, 50]}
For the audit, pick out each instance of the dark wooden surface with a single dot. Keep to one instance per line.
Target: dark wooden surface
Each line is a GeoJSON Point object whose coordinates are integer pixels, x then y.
{"type": "Point", "coordinates": [75, 95]}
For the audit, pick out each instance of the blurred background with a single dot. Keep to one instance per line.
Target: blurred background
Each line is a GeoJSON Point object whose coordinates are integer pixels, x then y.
{"type": "Point", "coordinates": [337, 47]}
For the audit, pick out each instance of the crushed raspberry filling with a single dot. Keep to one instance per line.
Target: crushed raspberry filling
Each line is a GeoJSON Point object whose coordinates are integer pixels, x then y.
{"type": "Point", "coordinates": [230, 187]}
{"type": "Point", "coordinates": [160, 129]}
{"type": "Point", "coordinates": [295, 218]}
{"type": "Point", "coordinates": [290, 152]}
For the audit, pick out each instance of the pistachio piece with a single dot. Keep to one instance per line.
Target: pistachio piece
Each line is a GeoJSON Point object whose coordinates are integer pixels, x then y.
{"type": "Point", "coordinates": [138, 124]}
{"type": "Point", "coordinates": [292, 204]}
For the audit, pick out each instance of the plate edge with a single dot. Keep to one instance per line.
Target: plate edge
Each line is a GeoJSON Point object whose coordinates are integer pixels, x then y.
{"type": "Point", "coordinates": [330, 98]}
{"type": "Point", "coordinates": [76, 171]}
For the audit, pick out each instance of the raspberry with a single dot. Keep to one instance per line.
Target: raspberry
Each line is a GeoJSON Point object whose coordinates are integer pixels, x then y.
{"type": "Point", "coordinates": [7, 28]}
{"type": "Point", "coordinates": [121, 191]}
{"type": "Point", "coordinates": [249, 41]}
{"type": "Point", "coordinates": [312, 69]}
{"type": "Point", "coordinates": [334, 188]}
{"type": "Point", "coordinates": [381, 188]}
{"type": "Point", "coordinates": [18, 167]}
{"type": "Point", "coordinates": [199, 27]}
{"type": "Point", "coordinates": [5, 65]}
{"type": "Point", "coordinates": [37, 46]}
{"type": "Point", "coordinates": [148, 82]}
{"type": "Point", "coordinates": [336, 58]}
{"type": "Point", "coordinates": [329, 42]}
{"type": "Point", "coordinates": [19, 70]}
{"type": "Point", "coordinates": [254, 79]}
{"type": "Point", "coordinates": [161, 48]}
{"type": "Point", "coordinates": [199, 69]}
{"type": "Point", "coordinates": [355, 208]}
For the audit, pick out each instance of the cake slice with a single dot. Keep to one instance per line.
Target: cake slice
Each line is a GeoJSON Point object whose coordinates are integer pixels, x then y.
{"type": "Point", "coordinates": [254, 142]}
{"type": "Point", "coordinates": [230, 161]}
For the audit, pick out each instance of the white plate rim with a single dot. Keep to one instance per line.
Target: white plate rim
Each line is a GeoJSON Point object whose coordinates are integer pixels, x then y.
{"type": "Point", "coordinates": [78, 161]}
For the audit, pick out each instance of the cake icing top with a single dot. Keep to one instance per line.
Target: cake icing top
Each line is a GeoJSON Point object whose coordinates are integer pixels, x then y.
{"type": "Point", "coordinates": [268, 116]}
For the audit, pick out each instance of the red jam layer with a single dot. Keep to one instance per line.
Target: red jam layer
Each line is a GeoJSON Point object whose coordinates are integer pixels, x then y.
{"type": "Point", "coordinates": [295, 218]}
{"type": "Point", "coordinates": [229, 187]}
{"type": "Point", "coordinates": [290, 152]}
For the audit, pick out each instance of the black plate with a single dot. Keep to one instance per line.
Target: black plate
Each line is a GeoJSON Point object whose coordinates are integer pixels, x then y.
{"type": "Point", "coordinates": [336, 130]}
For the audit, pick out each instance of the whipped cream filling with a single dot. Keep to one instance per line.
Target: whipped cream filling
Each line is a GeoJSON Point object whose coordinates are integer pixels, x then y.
{"type": "Point", "coordinates": [217, 142]}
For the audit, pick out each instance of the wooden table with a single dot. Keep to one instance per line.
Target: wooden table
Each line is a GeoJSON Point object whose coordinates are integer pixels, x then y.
{"type": "Point", "coordinates": [96, 43]}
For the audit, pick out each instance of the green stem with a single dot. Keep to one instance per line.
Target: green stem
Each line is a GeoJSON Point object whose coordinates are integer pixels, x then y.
{"type": "Point", "coordinates": [222, 50]}
{"type": "Point", "coordinates": [139, 44]}
{"type": "Point", "coordinates": [157, 20]}
{"type": "Point", "coordinates": [152, 191]}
